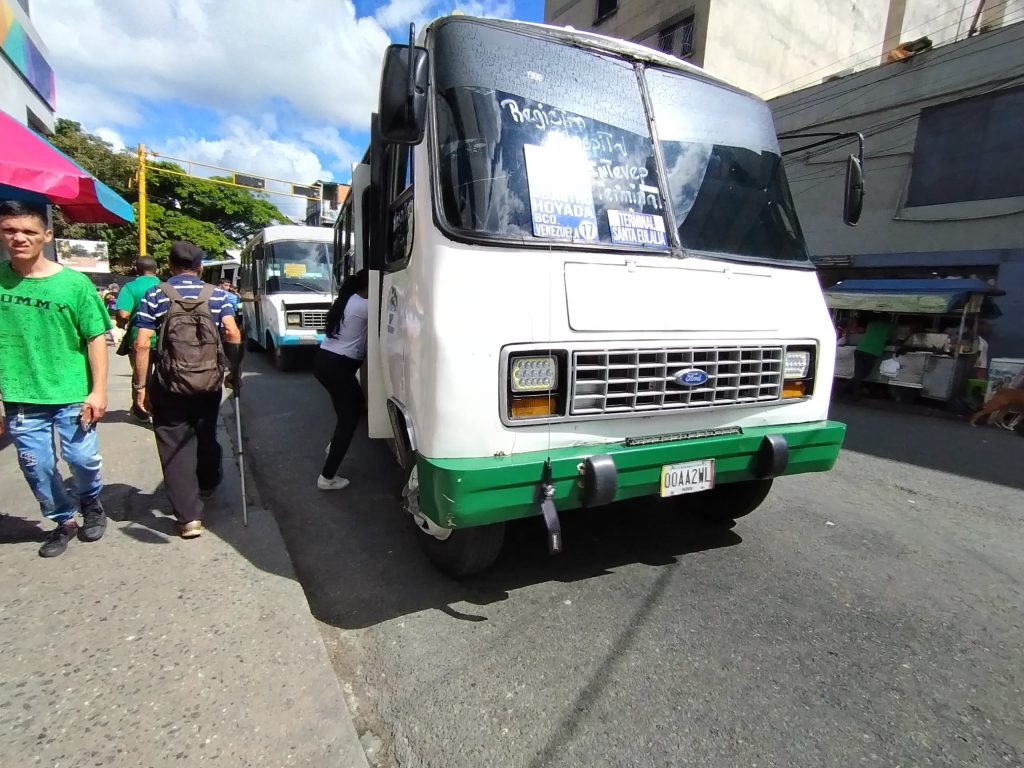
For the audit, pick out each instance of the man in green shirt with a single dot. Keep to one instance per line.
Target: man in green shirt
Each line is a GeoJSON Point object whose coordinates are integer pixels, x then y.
{"type": "Point", "coordinates": [869, 351]}
{"type": "Point", "coordinates": [53, 375]}
{"type": "Point", "coordinates": [128, 301]}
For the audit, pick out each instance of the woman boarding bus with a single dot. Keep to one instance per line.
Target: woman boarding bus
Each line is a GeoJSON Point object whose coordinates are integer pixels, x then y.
{"type": "Point", "coordinates": [587, 283]}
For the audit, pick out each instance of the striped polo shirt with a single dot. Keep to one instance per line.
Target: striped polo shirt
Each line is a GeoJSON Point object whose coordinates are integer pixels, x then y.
{"type": "Point", "coordinates": [155, 303]}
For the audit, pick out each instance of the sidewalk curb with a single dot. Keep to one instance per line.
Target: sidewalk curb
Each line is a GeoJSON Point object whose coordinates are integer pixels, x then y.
{"type": "Point", "coordinates": [355, 756]}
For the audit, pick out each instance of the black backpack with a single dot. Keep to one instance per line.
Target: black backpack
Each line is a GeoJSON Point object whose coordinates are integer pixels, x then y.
{"type": "Point", "coordinates": [190, 358]}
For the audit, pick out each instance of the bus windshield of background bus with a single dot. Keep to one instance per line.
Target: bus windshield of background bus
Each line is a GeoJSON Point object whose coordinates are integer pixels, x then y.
{"type": "Point", "coordinates": [541, 141]}
{"type": "Point", "coordinates": [297, 266]}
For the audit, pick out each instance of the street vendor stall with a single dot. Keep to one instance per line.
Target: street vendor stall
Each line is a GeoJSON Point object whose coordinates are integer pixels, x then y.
{"type": "Point", "coordinates": [935, 341]}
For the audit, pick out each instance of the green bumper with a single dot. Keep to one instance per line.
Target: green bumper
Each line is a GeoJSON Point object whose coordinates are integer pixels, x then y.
{"type": "Point", "coordinates": [459, 493]}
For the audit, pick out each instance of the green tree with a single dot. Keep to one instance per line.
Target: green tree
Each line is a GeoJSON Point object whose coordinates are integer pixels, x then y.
{"type": "Point", "coordinates": [214, 217]}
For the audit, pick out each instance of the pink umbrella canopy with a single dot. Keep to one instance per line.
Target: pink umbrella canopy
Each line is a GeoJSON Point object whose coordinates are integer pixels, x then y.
{"type": "Point", "coordinates": [33, 170]}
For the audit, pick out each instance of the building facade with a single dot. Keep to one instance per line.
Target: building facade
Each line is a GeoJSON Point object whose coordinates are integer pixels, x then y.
{"type": "Point", "coordinates": [944, 170]}
{"type": "Point", "coordinates": [27, 81]}
{"type": "Point", "coordinates": [324, 212]}
{"type": "Point", "coordinates": [771, 47]}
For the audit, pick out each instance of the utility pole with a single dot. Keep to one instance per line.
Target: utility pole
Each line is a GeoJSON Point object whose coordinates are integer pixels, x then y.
{"type": "Point", "coordinates": [142, 199]}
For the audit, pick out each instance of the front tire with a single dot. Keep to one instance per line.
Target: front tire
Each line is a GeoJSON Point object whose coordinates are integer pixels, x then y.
{"type": "Point", "coordinates": [284, 359]}
{"type": "Point", "coordinates": [733, 500]}
{"type": "Point", "coordinates": [456, 552]}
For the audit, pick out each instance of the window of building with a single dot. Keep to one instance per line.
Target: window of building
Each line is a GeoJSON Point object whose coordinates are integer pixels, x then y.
{"type": "Point", "coordinates": [969, 150]}
{"type": "Point", "coordinates": [605, 8]}
{"type": "Point", "coordinates": [677, 38]}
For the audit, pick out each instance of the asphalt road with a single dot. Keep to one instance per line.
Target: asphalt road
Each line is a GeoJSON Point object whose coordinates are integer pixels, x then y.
{"type": "Point", "coordinates": [868, 616]}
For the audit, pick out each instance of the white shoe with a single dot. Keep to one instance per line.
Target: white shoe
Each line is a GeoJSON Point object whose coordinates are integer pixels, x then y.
{"type": "Point", "coordinates": [331, 483]}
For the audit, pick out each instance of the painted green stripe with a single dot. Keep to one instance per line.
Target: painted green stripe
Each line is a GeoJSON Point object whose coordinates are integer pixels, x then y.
{"type": "Point", "coordinates": [458, 493]}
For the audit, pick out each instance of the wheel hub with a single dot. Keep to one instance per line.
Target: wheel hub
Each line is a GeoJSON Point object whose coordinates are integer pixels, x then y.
{"type": "Point", "coordinates": [411, 495]}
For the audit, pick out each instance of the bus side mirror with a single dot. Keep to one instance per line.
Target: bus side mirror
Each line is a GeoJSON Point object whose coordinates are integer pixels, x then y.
{"type": "Point", "coordinates": [853, 201]}
{"type": "Point", "coordinates": [403, 95]}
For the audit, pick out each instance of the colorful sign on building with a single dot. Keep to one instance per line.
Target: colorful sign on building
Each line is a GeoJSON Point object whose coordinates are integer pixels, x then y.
{"type": "Point", "coordinates": [25, 55]}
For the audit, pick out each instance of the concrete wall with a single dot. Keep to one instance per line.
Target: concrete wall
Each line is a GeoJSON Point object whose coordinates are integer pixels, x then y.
{"type": "Point", "coordinates": [771, 47]}
{"type": "Point", "coordinates": [637, 20]}
{"type": "Point", "coordinates": [17, 98]}
{"type": "Point", "coordinates": [885, 104]}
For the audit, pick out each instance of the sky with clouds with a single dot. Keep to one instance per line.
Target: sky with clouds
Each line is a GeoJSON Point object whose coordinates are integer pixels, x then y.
{"type": "Point", "coordinates": [280, 89]}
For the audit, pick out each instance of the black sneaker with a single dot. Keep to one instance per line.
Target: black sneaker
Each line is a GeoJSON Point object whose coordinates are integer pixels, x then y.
{"type": "Point", "coordinates": [57, 540]}
{"type": "Point", "coordinates": [207, 493]}
{"type": "Point", "coordinates": [139, 414]}
{"type": "Point", "coordinates": [94, 521]}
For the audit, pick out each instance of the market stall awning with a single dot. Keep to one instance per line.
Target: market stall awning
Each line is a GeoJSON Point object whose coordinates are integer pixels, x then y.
{"type": "Point", "coordinates": [931, 296]}
{"type": "Point", "coordinates": [33, 170]}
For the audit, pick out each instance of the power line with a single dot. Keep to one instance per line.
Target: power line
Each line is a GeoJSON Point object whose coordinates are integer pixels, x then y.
{"type": "Point", "coordinates": [1005, 84]}
{"type": "Point", "coordinates": [852, 55]}
{"type": "Point", "coordinates": [825, 98]}
{"type": "Point", "coordinates": [874, 46]}
{"type": "Point", "coordinates": [990, 87]}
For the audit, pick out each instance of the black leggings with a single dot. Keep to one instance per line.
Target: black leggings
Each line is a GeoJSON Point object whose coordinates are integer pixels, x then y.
{"type": "Point", "coordinates": [337, 374]}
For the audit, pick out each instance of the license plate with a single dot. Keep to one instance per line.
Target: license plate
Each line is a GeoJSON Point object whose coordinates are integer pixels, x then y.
{"type": "Point", "coordinates": [691, 477]}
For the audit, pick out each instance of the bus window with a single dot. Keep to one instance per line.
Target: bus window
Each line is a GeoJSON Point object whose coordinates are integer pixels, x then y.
{"type": "Point", "coordinates": [400, 206]}
{"type": "Point", "coordinates": [296, 265]}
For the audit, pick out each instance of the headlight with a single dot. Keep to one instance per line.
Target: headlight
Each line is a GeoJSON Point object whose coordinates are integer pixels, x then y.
{"type": "Point", "coordinates": [293, 318]}
{"type": "Point", "coordinates": [534, 374]}
{"type": "Point", "coordinates": [797, 364]}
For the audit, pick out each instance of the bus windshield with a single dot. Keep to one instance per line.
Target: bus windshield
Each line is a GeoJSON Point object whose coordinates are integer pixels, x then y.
{"type": "Point", "coordinates": [298, 265]}
{"type": "Point", "coordinates": [542, 141]}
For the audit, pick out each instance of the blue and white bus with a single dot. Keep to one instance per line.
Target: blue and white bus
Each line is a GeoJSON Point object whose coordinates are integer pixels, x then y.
{"type": "Point", "coordinates": [286, 287]}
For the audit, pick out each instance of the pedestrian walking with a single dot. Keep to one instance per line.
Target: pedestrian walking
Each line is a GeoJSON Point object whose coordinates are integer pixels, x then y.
{"type": "Point", "coordinates": [335, 366]}
{"type": "Point", "coordinates": [53, 375]}
{"type": "Point", "coordinates": [196, 333]}
{"type": "Point", "coordinates": [128, 301]}
{"type": "Point", "coordinates": [110, 302]}
{"type": "Point", "coordinates": [233, 297]}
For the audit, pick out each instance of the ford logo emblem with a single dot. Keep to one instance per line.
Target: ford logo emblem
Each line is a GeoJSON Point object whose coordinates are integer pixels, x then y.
{"type": "Point", "coordinates": [690, 377]}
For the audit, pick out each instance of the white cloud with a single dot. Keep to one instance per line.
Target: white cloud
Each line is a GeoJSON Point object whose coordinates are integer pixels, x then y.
{"type": "Point", "coordinates": [229, 55]}
{"type": "Point", "coordinates": [247, 146]}
{"type": "Point", "coordinates": [397, 14]}
{"type": "Point", "coordinates": [98, 106]}
{"type": "Point", "coordinates": [329, 140]}
{"type": "Point", "coordinates": [112, 137]}
{"type": "Point", "coordinates": [498, 9]}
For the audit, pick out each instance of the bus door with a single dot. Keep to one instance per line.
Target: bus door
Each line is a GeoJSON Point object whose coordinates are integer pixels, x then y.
{"type": "Point", "coordinates": [397, 205]}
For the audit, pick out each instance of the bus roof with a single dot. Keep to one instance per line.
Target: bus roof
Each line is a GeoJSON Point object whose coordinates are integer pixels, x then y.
{"type": "Point", "coordinates": [281, 232]}
{"type": "Point", "coordinates": [593, 40]}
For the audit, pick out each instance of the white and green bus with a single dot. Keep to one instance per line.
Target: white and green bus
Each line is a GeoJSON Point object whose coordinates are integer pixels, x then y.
{"type": "Point", "coordinates": [286, 285]}
{"type": "Point", "coordinates": [588, 283]}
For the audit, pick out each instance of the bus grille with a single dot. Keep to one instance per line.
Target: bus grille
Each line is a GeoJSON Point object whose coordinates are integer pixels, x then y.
{"type": "Point", "coordinates": [643, 380]}
{"type": "Point", "coordinates": [314, 318]}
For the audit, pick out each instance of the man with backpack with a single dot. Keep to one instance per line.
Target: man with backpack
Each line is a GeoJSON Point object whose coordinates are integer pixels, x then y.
{"type": "Point", "coordinates": [197, 336]}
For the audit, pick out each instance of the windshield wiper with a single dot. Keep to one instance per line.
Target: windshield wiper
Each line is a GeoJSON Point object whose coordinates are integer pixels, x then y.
{"type": "Point", "coordinates": [304, 286]}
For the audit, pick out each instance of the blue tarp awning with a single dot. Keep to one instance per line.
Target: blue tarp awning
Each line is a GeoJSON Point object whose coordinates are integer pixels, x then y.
{"type": "Point", "coordinates": [932, 296]}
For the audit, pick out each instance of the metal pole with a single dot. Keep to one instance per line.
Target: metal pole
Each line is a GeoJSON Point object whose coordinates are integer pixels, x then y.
{"type": "Point", "coordinates": [241, 449]}
{"type": "Point", "coordinates": [142, 199]}
{"type": "Point", "coordinates": [977, 15]}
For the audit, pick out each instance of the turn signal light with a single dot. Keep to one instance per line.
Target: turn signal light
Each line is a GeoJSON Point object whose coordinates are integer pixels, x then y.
{"type": "Point", "coordinates": [533, 407]}
{"type": "Point", "coordinates": [794, 389]}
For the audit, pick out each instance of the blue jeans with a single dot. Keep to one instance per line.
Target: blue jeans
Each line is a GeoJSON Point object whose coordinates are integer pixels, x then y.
{"type": "Point", "coordinates": [32, 428]}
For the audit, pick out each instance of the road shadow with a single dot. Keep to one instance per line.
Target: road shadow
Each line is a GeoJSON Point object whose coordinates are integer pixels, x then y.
{"type": "Point", "coordinates": [944, 444]}
{"type": "Point", "coordinates": [21, 530]}
{"type": "Point", "coordinates": [356, 552]}
{"type": "Point", "coordinates": [357, 556]}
